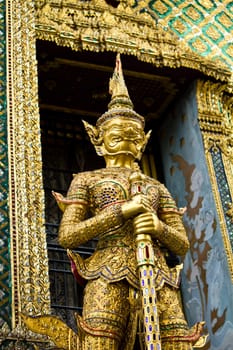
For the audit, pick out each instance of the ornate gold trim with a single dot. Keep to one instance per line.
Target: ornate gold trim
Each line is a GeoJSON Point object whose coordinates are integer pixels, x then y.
{"type": "Point", "coordinates": [228, 166]}
{"type": "Point", "coordinates": [215, 120]}
{"type": "Point", "coordinates": [30, 279]}
{"type": "Point", "coordinates": [220, 212]}
{"type": "Point", "coordinates": [97, 26]}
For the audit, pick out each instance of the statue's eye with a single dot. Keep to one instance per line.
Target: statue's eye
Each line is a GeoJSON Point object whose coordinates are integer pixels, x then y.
{"type": "Point", "coordinates": [116, 139]}
{"type": "Point", "coordinates": [138, 140]}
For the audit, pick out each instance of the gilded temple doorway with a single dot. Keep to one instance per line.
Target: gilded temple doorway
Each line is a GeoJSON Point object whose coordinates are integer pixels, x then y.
{"type": "Point", "coordinates": [74, 86]}
{"type": "Point", "coordinates": [59, 21]}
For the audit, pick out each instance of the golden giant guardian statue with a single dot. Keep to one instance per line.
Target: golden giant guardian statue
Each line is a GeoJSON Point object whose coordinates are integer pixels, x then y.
{"type": "Point", "coordinates": [130, 289]}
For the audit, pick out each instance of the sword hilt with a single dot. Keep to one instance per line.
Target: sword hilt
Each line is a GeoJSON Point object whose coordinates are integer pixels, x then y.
{"type": "Point", "coordinates": [145, 252]}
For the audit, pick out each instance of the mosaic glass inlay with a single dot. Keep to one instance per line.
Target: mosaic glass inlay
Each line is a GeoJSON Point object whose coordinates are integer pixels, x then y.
{"type": "Point", "coordinates": [5, 292]}
{"type": "Point", "coordinates": [205, 26]}
{"type": "Point", "coordinates": [224, 190]}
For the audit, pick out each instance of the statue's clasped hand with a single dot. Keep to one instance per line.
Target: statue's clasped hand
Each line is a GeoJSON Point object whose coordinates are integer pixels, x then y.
{"type": "Point", "coordinates": [145, 220]}
{"type": "Point", "coordinates": [137, 205]}
{"type": "Point", "coordinates": [148, 223]}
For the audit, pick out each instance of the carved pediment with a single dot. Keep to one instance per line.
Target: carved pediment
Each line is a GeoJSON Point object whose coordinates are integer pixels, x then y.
{"type": "Point", "coordinates": [95, 25]}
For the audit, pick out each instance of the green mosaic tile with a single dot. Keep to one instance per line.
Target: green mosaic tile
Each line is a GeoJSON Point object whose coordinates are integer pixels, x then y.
{"type": "Point", "coordinates": [192, 13]}
{"type": "Point", "coordinates": [213, 33]}
{"type": "Point", "coordinates": [211, 20]}
{"type": "Point", "coordinates": [161, 8]}
{"type": "Point", "coordinates": [208, 5]}
{"type": "Point", "coordinates": [200, 46]}
{"type": "Point", "coordinates": [180, 26]}
{"type": "Point", "coordinates": [225, 21]}
{"type": "Point", "coordinates": [223, 188]}
{"type": "Point", "coordinates": [177, 2]}
{"type": "Point", "coordinates": [230, 7]}
{"type": "Point", "coordinates": [228, 50]}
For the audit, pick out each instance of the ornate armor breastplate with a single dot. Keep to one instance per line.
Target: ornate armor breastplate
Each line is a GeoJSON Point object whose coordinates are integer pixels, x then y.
{"type": "Point", "coordinates": [111, 186]}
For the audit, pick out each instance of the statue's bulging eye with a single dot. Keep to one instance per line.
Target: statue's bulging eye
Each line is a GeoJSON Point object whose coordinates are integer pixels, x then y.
{"type": "Point", "coordinates": [138, 140]}
{"type": "Point", "coordinates": [116, 139]}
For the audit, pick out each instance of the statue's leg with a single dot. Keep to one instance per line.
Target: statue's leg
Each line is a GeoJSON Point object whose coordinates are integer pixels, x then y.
{"type": "Point", "coordinates": [105, 314]}
{"type": "Point", "coordinates": [175, 333]}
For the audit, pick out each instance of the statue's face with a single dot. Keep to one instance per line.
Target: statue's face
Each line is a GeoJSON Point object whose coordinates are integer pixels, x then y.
{"type": "Point", "coordinates": [123, 136]}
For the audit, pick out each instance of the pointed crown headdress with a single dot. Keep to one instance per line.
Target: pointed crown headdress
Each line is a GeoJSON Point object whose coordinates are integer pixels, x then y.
{"type": "Point", "coordinates": [120, 104]}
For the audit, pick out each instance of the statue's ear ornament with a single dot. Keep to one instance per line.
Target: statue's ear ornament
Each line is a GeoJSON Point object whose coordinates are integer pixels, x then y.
{"type": "Point", "coordinates": [95, 137]}
{"type": "Point", "coordinates": [147, 137]}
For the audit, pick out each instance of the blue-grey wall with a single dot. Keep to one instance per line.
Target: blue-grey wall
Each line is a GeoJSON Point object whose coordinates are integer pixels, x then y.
{"type": "Point", "coordinates": [206, 284]}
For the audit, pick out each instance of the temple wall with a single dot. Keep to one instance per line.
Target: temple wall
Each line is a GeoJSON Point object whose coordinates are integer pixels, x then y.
{"type": "Point", "coordinates": [207, 279]}
{"type": "Point", "coordinates": [206, 283]}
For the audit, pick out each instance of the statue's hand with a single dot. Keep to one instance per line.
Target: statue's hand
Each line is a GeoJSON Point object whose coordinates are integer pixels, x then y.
{"type": "Point", "coordinates": [148, 223]}
{"type": "Point", "coordinates": [137, 205]}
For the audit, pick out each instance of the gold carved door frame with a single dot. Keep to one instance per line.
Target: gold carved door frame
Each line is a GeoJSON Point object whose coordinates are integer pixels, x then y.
{"type": "Point", "coordinates": [215, 114]}
{"type": "Point", "coordinates": [93, 26]}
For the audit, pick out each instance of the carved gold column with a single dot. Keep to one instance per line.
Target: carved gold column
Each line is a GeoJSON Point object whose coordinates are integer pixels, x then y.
{"type": "Point", "coordinates": [29, 262]}
{"type": "Point", "coordinates": [215, 107]}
